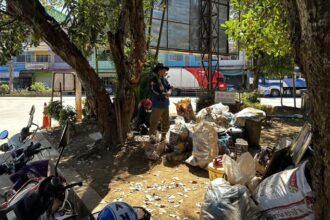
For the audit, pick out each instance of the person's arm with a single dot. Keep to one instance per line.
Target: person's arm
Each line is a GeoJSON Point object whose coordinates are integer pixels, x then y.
{"type": "Point", "coordinates": [169, 89]}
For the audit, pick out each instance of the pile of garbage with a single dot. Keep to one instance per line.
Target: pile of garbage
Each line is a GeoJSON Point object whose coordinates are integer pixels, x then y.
{"type": "Point", "coordinates": [213, 131]}
{"type": "Point", "coordinates": [274, 184]}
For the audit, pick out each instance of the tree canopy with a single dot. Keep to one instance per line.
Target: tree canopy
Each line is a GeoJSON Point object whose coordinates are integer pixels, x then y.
{"type": "Point", "coordinates": [259, 27]}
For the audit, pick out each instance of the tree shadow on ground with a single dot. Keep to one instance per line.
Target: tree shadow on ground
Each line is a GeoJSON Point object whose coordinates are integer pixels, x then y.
{"type": "Point", "coordinates": [104, 165]}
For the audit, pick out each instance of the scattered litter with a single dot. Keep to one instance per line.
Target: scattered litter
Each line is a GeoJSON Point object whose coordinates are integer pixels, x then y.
{"type": "Point", "coordinates": [136, 187]}
{"type": "Point", "coordinates": [171, 197]}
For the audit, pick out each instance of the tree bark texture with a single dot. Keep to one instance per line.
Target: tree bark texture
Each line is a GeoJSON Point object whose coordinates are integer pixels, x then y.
{"type": "Point", "coordinates": [128, 65]}
{"type": "Point", "coordinates": [256, 72]}
{"type": "Point", "coordinates": [33, 13]}
{"type": "Point", "coordinates": [310, 33]}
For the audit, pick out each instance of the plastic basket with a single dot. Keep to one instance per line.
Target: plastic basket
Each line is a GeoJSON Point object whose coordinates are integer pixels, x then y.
{"type": "Point", "coordinates": [215, 172]}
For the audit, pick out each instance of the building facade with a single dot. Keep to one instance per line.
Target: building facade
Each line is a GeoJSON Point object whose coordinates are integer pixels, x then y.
{"type": "Point", "coordinates": [38, 64]}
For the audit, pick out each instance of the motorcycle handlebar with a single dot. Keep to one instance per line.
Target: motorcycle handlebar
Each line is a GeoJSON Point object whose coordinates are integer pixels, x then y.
{"type": "Point", "coordinates": [34, 149]}
{"type": "Point", "coordinates": [56, 185]}
{"type": "Point", "coordinates": [73, 185]}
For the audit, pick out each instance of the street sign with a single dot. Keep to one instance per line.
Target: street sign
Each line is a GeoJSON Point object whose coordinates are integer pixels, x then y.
{"type": "Point", "coordinates": [64, 82]}
{"type": "Point", "coordinates": [225, 97]}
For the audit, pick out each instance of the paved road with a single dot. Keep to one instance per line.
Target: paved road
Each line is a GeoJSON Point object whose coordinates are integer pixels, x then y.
{"type": "Point", "coordinates": [14, 111]}
{"type": "Point", "coordinates": [277, 102]}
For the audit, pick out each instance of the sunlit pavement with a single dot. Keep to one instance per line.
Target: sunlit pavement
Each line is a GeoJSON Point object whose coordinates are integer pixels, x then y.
{"type": "Point", "coordinates": [277, 102]}
{"type": "Point", "coordinates": [14, 111]}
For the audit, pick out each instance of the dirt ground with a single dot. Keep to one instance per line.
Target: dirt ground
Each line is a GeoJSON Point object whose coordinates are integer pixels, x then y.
{"type": "Point", "coordinates": [168, 191]}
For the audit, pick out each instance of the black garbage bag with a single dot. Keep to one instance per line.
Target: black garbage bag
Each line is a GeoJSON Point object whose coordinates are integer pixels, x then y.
{"type": "Point", "coordinates": [226, 202]}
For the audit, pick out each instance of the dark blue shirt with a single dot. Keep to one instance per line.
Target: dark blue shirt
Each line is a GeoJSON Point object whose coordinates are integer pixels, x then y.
{"type": "Point", "coordinates": [159, 87]}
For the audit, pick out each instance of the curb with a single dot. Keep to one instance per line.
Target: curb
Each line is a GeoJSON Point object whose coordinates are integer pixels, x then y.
{"type": "Point", "coordinates": [85, 199]}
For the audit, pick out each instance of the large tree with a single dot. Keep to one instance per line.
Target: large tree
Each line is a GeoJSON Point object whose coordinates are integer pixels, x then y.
{"type": "Point", "coordinates": [310, 34]}
{"type": "Point", "coordinates": [122, 22]}
{"type": "Point", "coordinates": [260, 28]}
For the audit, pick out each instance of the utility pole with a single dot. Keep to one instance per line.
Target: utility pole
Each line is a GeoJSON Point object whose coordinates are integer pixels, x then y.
{"type": "Point", "coordinates": [161, 30]}
{"type": "Point", "coordinates": [209, 46]}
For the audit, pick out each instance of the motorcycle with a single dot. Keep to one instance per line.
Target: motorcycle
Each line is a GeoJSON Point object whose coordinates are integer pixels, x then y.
{"type": "Point", "coordinates": [44, 197]}
{"type": "Point", "coordinates": [22, 139]}
{"type": "Point", "coordinates": [20, 170]}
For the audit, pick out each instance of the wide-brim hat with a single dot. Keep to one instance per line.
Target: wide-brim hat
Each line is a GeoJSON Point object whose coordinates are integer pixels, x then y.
{"type": "Point", "coordinates": [160, 66]}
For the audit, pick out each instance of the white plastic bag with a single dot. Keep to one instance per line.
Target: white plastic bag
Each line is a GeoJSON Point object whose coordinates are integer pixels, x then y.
{"type": "Point", "coordinates": [176, 130]}
{"type": "Point", "coordinates": [247, 113]}
{"type": "Point", "coordinates": [225, 202]}
{"type": "Point", "coordinates": [286, 195]}
{"type": "Point", "coordinates": [205, 144]}
{"type": "Point", "coordinates": [217, 113]}
{"type": "Point", "coordinates": [239, 172]}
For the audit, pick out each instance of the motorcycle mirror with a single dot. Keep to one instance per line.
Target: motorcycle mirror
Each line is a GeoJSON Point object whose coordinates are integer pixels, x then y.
{"type": "Point", "coordinates": [3, 134]}
{"type": "Point", "coordinates": [32, 110]}
{"type": "Point", "coordinates": [65, 138]}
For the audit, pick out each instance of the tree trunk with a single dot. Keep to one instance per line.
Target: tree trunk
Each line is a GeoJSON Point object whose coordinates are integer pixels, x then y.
{"type": "Point", "coordinates": [34, 14]}
{"type": "Point", "coordinates": [310, 33]}
{"type": "Point", "coordinates": [129, 69]}
{"type": "Point", "coordinates": [256, 72]}
{"type": "Point", "coordinates": [11, 75]}
{"type": "Point", "coordinates": [281, 89]}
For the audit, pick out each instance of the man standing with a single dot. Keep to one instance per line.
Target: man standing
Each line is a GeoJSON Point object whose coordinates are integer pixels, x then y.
{"type": "Point", "coordinates": [161, 91]}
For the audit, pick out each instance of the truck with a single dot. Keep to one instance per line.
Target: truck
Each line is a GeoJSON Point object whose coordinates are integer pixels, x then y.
{"type": "Point", "coordinates": [273, 87]}
{"type": "Point", "coordinates": [192, 80]}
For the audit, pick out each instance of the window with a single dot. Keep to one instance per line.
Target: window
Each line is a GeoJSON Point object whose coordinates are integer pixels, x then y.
{"type": "Point", "coordinates": [20, 58]}
{"type": "Point", "coordinates": [42, 58]}
{"type": "Point", "coordinates": [198, 58]}
{"type": "Point", "coordinates": [28, 58]}
{"type": "Point", "coordinates": [175, 57]}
